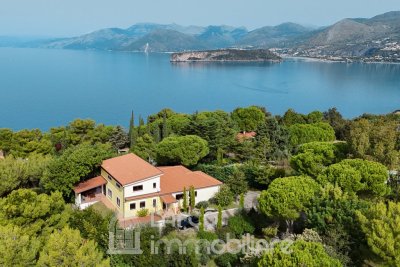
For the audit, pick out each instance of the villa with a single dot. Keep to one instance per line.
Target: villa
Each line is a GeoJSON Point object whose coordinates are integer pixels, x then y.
{"type": "Point", "coordinates": [128, 184]}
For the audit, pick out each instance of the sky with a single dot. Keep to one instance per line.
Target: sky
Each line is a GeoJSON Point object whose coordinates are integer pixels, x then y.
{"type": "Point", "coordinates": [74, 17]}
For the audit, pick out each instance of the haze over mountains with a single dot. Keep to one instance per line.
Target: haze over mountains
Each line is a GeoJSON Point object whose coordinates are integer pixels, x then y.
{"type": "Point", "coordinates": [348, 37]}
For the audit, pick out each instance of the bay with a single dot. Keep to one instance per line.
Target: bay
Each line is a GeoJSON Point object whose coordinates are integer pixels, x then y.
{"type": "Point", "coordinates": [42, 88]}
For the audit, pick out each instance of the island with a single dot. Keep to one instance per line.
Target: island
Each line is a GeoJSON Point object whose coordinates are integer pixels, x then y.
{"type": "Point", "coordinates": [231, 55]}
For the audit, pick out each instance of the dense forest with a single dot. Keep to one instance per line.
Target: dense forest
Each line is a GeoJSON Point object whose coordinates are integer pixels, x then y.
{"type": "Point", "coordinates": [329, 184]}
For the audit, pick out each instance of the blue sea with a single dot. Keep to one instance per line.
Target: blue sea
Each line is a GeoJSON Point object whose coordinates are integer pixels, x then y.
{"type": "Point", "coordinates": [42, 88]}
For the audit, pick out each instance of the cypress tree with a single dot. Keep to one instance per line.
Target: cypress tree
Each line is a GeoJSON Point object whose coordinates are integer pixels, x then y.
{"type": "Point", "coordinates": [131, 129]}
{"type": "Point", "coordinates": [241, 201]}
{"type": "Point", "coordinates": [185, 204]}
{"type": "Point", "coordinates": [192, 198]}
{"type": "Point", "coordinates": [201, 220]}
{"type": "Point", "coordinates": [219, 222]}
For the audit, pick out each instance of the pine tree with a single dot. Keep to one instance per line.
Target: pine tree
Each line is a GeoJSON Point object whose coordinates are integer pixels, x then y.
{"type": "Point", "coordinates": [185, 204]}
{"type": "Point", "coordinates": [192, 198]}
{"type": "Point", "coordinates": [219, 222]}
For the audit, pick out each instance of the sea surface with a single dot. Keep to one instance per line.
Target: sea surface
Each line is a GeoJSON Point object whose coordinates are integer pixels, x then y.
{"type": "Point", "coordinates": [43, 88]}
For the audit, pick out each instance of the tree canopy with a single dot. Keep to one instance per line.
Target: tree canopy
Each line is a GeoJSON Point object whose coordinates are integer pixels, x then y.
{"type": "Point", "coordinates": [248, 119]}
{"type": "Point", "coordinates": [381, 225]}
{"type": "Point", "coordinates": [357, 175]}
{"type": "Point", "coordinates": [306, 133]}
{"type": "Point", "coordinates": [186, 150]}
{"type": "Point", "coordinates": [300, 253]}
{"type": "Point", "coordinates": [286, 197]}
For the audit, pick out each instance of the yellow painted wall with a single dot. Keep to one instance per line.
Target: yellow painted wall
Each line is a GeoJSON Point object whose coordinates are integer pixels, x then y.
{"type": "Point", "coordinates": [116, 192]}
{"type": "Point", "coordinates": [149, 205]}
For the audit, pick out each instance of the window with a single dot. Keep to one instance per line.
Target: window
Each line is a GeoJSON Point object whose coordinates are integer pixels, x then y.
{"type": "Point", "coordinates": [109, 177]}
{"type": "Point", "coordinates": [179, 196]}
{"type": "Point", "coordinates": [154, 185]}
{"type": "Point", "coordinates": [138, 188]}
{"type": "Point", "coordinates": [143, 204]}
{"type": "Point", "coordinates": [118, 185]}
{"type": "Point", "coordinates": [132, 206]}
{"type": "Point", "coordinates": [118, 202]}
{"type": "Point", "coordinates": [154, 203]}
{"type": "Point", "coordinates": [195, 193]}
{"type": "Point", "coordinates": [109, 193]}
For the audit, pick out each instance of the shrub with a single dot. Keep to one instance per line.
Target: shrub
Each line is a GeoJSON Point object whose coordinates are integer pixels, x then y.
{"type": "Point", "coordinates": [168, 228]}
{"type": "Point", "coordinates": [226, 260]}
{"type": "Point", "coordinates": [224, 197]}
{"type": "Point", "coordinates": [270, 232]}
{"type": "Point", "coordinates": [240, 225]}
{"type": "Point", "coordinates": [209, 236]}
{"type": "Point", "coordinates": [202, 204]}
{"type": "Point", "coordinates": [223, 232]}
{"type": "Point", "coordinates": [142, 213]}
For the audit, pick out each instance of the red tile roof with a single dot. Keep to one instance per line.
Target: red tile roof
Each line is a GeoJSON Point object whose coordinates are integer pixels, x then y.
{"type": "Point", "coordinates": [175, 178]}
{"type": "Point", "coordinates": [89, 184]}
{"type": "Point", "coordinates": [129, 168]}
{"type": "Point", "coordinates": [168, 199]}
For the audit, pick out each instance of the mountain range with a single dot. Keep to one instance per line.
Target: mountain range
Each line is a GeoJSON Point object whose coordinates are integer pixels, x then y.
{"type": "Point", "coordinates": [354, 37]}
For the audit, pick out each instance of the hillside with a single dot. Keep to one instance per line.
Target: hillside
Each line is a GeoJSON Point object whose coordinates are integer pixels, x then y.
{"type": "Point", "coordinates": [226, 55]}
{"type": "Point", "coordinates": [376, 38]}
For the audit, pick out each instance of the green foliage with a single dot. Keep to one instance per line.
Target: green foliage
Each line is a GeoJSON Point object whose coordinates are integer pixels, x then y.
{"type": "Point", "coordinates": [375, 139]}
{"type": "Point", "coordinates": [306, 133]}
{"type": "Point", "coordinates": [222, 173]}
{"type": "Point", "coordinates": [92, 225]}
{"type": "Point", "coordinates": [270, 232]}
{"type": "Point", "coordinates": [237, 183]}
{"type": "Point", "coordinates": [335, 119]}
{"type": "Point", "coordinates": [248, 118]}
{"type": "Point", "coordinates": [287, 197]}
{"type": "Point", "coordinates": [312, 158]}
{"type": "Point", "coordinates": [357, 175]}
{"type": "Point", "coordinates": [202, 204]}
{"type": "Point", "coordinates": [310, 254]}
{"type": "Point", "coordinates": [142, 212]}
{"type": "Point", "coordinates": [119, 138]}
{"type": "Point", "coordinates": [185, 150]}
{"type": "Point", "coordinates": [217, 128]}
{"type": "Point", "coordinates": [201, 220]}
{"type": "Point", "coordinates": [219, 218]}
{"type": "Point", "coordinates": [226, 260]}
{"type": "Point", "coordinates": [74, 165]}
{"type": "Point", "coordinates": [381, 225]}
{"type": "Point", "coordinates": [207, 235]}
{"type": "Point", "coordinates": [36, 214]}
{"type": "Point", "coordinates": [224, 197]}
{"type": "Point", "coordinates": [240, 225]}
{"type": "Point", "coordinates": [17, 173]}
{"type": "Point", "coordinates": [259, 176]}
{"type": "Point", "coordinates": [145, 147]}
{"type": "Point", "coordinates": [17, 248]}
{"type": "Point", "coordinates": [68, 248]}
{"type": "Point", "coordinates": [192, 195]}
{"type": "Point", "coordinates": [333, 215]}
{"type": "Point", "coordinates": [20, 144]}
{"type": "Point", "coordinates": [241, 201]}
{"type": "Point", "coordinates": [185, 200]}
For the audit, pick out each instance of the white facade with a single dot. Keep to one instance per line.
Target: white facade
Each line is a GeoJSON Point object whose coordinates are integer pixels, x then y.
{"type": "Point", "coordinates": [203, 194]}
{"type": "Point", "coordinates": [148, 187]}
